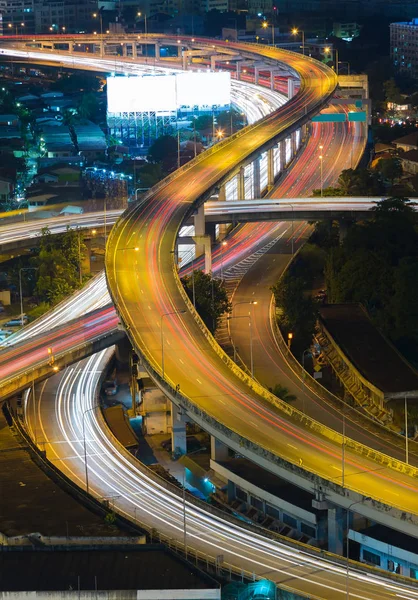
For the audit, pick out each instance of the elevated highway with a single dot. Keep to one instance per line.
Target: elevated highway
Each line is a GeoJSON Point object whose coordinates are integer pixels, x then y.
{"type": "Point", "coordinates": [197, 375]}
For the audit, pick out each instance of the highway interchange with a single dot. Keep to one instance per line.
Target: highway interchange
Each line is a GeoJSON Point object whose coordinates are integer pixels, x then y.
{"type": "Point", "coordinates": [176, 339]}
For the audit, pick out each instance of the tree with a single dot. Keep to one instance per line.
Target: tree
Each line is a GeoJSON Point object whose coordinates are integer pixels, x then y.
{"type": "Point", "coordinates": [211, 297]}
{"type": "Point", "coordinates": [299, 311]}
{"type": "Point", "coordinates": [164, 150]}
{"type": "Point", "coordinates": [204, 123]}
{"type": "Point", "coordinates": [392, 92]}
{"type": "Point", "coordinates": [77, 82]}
{"type": "Point", "coordinates": [390, 169]}
{"type": "Point", "coordinates": [88, 107]}
{"type": "Point", "coordinates": [150, 174]}
{"type": "Point", "coordinates": [58, 263]}
{"type": "Point", "coordinates": [283, 393]}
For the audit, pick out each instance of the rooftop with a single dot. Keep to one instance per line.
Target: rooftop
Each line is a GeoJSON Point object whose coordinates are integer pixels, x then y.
{"type": "Point", "coordinates": [408, 140]}
{"type": "Point", "coordinates": [411, 155]}
{"type": "Point", "coordinates": [367, 349]}
{"type": "Point", "coordinates": [142, 568]}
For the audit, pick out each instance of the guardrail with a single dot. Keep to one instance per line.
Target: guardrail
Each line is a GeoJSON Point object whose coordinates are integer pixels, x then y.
{"type": "Point", "coordinates": [201, 558]}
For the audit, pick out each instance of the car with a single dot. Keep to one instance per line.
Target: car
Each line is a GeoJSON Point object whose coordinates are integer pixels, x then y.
{"type": "Point", "coordinates": [17, 321]}
{"type": "Point", "coordinates": [4, 333]}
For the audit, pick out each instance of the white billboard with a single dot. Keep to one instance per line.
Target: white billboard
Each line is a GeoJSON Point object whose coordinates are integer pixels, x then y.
{"type": "Point", "coordinates": [203, 89]}
{"type": "Point", "coordinates": [141, 94]}
{"type": "Point", "coordinates": [166, 93]}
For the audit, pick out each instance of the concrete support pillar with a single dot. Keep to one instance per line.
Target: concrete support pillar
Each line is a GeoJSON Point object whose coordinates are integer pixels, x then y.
{"type": "Point", "coordinates": [270, 169]}
{"type": "Point", "coordinates": [231, 494]}
{"type": "Point", "coordinates": [184, 61]}
{"type": "Point", "coordinates": [257, 191]}
{"type": "Point", "coordinates": [123, 350]}
{"type": "Point", "coordinates": [335, 530]}
{"type": "Point", "coordinates": [293, 137]}
{"type": "Point", "coordinates": [241, 184]}
{"type": "Point", "coordinates": [218, 450]}
{"type": "Point", "coordinates": [178, 431]}
{"type": "Point", "coordinates": [204, 241]}
{"type": "Point", "coordinates": [272, 79]}
{"type": "Point", "coordinates": [222, 194]}
{"type": "Point", "coordinates": [199, 228]}
{"type": "Point", "coordinates": [256, 75]}
{"type": "Point", "coordinates": [290, 88]}
{"type": "Point", "coordinates": [282, 155]}
{"type": "Point", "coordinates": [179, 50]}
{"type": "Point", "coordinates": [134, 51]}
{"type": "Point", "coordinates": [157, 51]}
{"type": "Point", "coordinates": [211, 231]}
{"type": "Point", "coordinates": [223, 228]}
{"type": "Point", "coordinates": [124, 50]}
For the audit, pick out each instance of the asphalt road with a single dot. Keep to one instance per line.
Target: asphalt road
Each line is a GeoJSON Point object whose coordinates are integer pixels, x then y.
{"type": "Point", "coordinates": [145, 288]}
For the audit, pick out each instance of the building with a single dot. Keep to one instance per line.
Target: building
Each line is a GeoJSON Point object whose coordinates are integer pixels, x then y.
{"type": "Point", "coordinates": [387, 549]}
{"type": "Point", "coordinates": [407, 142]}
{"type": "Point", "coordinates": [409, 162]}
{"type": "Point", "coordinates": [404, 47]}
{"type": "Point", "coordinates": [17, 17]}
{"type": "Point", "coordinates": [60, 16]}
{"type": "Point", "coordinates": [6, 189]}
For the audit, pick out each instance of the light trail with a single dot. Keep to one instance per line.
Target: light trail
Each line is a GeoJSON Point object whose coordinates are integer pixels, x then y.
{"type": "Point", "coordinates": [136, 493]}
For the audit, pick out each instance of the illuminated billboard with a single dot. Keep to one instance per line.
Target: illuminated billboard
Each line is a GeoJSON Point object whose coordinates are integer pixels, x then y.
{"type": "Point", "coordinates": [166, 93]}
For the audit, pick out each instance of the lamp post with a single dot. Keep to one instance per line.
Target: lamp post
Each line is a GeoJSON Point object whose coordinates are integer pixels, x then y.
{"type": "Point", "coordinates": [289, 340]}
{"type": "Point", "coordinates": [84, 444]}
{"type": "Point", "coordinates": [406, 432]}
{"type": "Point", "coordinates": [139, 14]}
{"type": "Point", "coordinates": [100, 16]}
{"type": "Point", "coordinates": [139, 190]}
{"type": "Point", "coordinates": [20, 289]}
{"type": "Point", "coordinates": [295, 31]}
{"type": "Point", "coordinates": [307, 351]}
{"type": "Point", "coordinates": [174, 312]}
{"type": "Point", "coordinates": [223, 244]}
{"type": "Point", "coordinates": [251, 339]}
{"type": "Point", "coordinates": [347, 541]}
{"type": "Point", "coordinates": [321, 169]}
{"type": "Point", "coordinates": [264, 25]}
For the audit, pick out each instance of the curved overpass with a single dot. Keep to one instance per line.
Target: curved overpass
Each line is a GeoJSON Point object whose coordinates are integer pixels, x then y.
{"type": "Point", "coordinates": [196, 374]}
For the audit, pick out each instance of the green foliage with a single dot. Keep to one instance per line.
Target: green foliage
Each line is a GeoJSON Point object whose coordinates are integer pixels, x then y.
{"type": "Point", "coordinates": [204, 123]}
{"type": "Point", "coordinates": [77, 82]}
{"type": "Point", "coordinates": [38, 311]}
{"type": "Point", "coordinates": [392, 92]}
{"type": "Point", "coordinates": [211, 297]}
{"type": "Point", "coordinates": [150, 174]}
{"type": "Point", "coordinates": [224, 118]}
{"type": "Point", "coordinates": [390, 169]}
{"type": "Point", "coordinates": [164, 151]}
{"type": "Point", "coordinates": [110, 518]}
{"type": "Point", "coordinates": [88, 107]}
{"type": "Point", "coordinates": [358, 182]}
{"type": "Point", "coordinates": [299, 311]}
{"type": "Point", "coordinates": [283, 393]}
{"type": "Point", "coordinates": [58, 265]}
{"type": "Point", "coordinates": [377, 265]}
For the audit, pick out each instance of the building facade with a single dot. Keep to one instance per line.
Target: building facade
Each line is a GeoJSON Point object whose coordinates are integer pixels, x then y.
{"type": "Point", "coordinates": [404, 47]}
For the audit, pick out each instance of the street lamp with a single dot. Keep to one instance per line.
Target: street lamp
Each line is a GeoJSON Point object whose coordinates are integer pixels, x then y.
{"type": "Point", "coordinates": [139, 14]}
{"type": "Point", "coordinates": [289, 339]}
{"type": "Point", "coordinates": [84, 444]}
{"type": "Point", "coordinates": [347, 540]}
{"type": "Point", "coordinates": [321, 170]}
{"type": "Point", "coordinates": [223, 244]}
{"type": "Point", "coordinates": [174, 312]}
{"type": "Point", "coordinates": [251, 338]}
{"type": "Point", "coordinates": [20, 289]}
{"type": "Point", "coordinates": [264, 25]}
{"type": "Point", "coordinates": [139, 190]}
{"type": "Point", "coordinates": [295, 31]}
{"type": "Point", "coordinates": [220, 134]}
{"type": "Point", "coordinates": [100, 16]}
{"type": "Point", "coordinates": [307, 351]}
